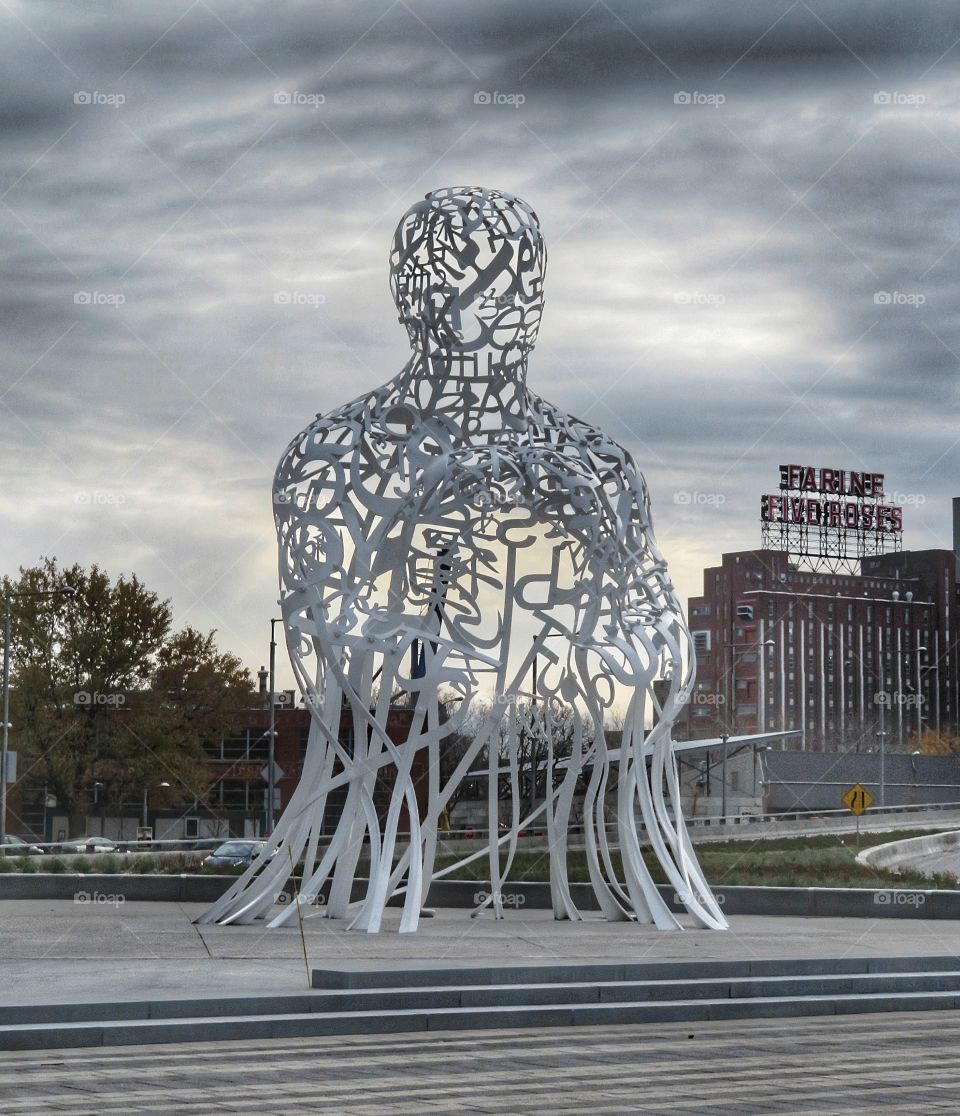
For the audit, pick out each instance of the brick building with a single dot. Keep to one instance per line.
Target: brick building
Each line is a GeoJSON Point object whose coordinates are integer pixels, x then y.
{"type": "Point", "coordinates": [236, 802]}
{"type": "Point", "coordinates": [849, 659]}
{"type": "Point", "coordinates": [238, 764]}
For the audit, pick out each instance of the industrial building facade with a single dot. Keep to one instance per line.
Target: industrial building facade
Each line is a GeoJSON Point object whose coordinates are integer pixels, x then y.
{"type": "Point", "coordinates": [857, 662]}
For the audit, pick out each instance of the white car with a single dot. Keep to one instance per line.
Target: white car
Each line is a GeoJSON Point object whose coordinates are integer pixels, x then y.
{"type": "Point", "coordinates": [91, 845]}
{"type": "Point", "coordinates": [16, 846]}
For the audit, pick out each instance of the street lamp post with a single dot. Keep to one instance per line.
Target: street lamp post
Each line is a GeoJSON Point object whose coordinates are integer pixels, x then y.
{"type": "Point", "coordinates": [724, 737]}
{"type": "Point", "coordinates": [922, 672]}
{"type": "Point", "coordinates": [883, 757]}
{"type": "Point", "coordinates": [271, 779]}
{"type": "Point", "coordinates": [8, 596]}
{"type": "Point", "coordinates": [145, 791]}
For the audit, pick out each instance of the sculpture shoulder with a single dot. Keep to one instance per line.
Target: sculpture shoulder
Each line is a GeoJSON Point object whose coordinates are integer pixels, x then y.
{"type": "Point", "coordinates": [608, 459]}
{"type": "Point", "coordinates": [332, 436]}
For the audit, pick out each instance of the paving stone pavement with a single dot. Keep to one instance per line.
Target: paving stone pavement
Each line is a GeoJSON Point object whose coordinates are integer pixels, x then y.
{"type": "Point", "coordinates": [857, 1065]}
{"type": "Point", "coordinates": [55, 952]}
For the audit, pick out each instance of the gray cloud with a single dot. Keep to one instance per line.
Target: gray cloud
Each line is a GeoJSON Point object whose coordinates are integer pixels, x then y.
{"type": "Point", "coordinates": [716, 266]}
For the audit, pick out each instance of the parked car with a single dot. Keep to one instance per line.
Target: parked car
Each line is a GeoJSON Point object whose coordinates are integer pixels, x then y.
{"type": "Point", "coordinates": [91, 845]}
{"type": "Point", "coordinates": [233, 854]}
{"type": "Point", "coordinates": [16, 846]}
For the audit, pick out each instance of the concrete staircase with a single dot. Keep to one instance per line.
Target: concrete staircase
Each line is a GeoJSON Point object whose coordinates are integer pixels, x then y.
{"type": "Point", "coordinates": [355, 999]}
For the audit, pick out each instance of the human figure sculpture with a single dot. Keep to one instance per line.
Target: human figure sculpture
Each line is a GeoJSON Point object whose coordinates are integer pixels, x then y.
{"type": "Point", "coordinates": [421, 528]}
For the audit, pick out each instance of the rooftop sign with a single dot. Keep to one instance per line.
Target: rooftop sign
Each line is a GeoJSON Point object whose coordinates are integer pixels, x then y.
{"type": "Point", "coordinates": [830, 517]}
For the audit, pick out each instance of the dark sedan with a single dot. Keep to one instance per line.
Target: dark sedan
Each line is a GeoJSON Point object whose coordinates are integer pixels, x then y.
{"type": "Point", "coordinates": [233, 854]}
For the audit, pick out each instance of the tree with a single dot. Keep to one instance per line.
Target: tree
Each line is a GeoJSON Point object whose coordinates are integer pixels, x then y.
{"type": "Point", "coordinates": [105, 698]}
{"type": "Point", "coordinates": [454, 746]}
{"type": "Point", "coordinates": [524, 723]}
{"type": "Point", "coordinates": [932, 743]}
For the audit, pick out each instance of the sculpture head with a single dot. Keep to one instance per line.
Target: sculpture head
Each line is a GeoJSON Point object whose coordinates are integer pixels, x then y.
{"type": "Point", "coordinates": [466, 271]}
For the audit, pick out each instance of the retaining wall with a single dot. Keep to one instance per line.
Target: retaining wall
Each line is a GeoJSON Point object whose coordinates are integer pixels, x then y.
{"type": "Point", "coordinates": [791, 901]}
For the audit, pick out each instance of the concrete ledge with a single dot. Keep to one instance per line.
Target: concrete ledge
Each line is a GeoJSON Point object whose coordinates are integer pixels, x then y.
{"type": "Point", "coordinates": [99, 887]}
{"type": "Point", "coordinates": [895, 855]}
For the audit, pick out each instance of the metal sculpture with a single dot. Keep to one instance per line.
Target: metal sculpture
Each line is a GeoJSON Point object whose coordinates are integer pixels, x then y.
{"type": "Point", "coordinates": [438, 537]}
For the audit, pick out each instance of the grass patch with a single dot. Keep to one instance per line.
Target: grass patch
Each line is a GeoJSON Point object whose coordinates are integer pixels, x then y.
{"type": "Point", "coordinates": [825, 860]}
{"type": "Point", "coordinates": [820, 860]}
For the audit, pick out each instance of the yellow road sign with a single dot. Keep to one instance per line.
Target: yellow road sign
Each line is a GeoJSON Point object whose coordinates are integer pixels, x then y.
{"type": "Point", "coordinates": [857, 800]}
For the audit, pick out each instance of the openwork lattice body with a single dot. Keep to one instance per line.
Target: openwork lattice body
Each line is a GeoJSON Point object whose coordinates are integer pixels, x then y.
{"type": "Point", "coordinates": [456, 549]}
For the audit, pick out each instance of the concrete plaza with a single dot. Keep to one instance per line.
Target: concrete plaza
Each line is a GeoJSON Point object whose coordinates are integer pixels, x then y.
{"type": "Point", "coordinates": [63, 952]}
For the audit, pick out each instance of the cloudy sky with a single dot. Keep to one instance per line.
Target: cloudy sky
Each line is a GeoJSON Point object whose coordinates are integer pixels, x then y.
{"type": "Point", "coordinates": [750, 208]}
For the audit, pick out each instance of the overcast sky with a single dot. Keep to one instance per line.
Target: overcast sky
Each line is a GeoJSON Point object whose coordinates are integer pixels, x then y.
{"type": "Point", "coordinates": [751, 212]}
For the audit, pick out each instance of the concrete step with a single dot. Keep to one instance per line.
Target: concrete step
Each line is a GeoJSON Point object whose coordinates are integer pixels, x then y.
{"type": "Point", "coordinates": [305, 1024]}
{"type": "Point", "coordinates": [527, 995]}
{"type": "Point", "coordinates": [359, 974]}
{"type": "Point", "coordinates": [427, 998]}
